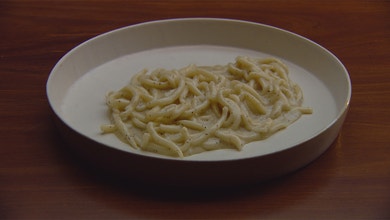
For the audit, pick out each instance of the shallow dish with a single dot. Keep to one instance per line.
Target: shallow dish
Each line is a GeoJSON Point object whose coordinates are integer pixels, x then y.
{"type": "Point", "coordinates": [78, 83]}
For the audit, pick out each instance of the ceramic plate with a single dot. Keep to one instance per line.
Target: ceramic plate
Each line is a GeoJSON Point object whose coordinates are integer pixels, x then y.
{"type": "Point", "coordinates": [77, 85]}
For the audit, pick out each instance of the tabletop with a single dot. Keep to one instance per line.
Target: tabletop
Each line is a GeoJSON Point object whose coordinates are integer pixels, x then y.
{"type": "Point", "coordinates": [41, 179]}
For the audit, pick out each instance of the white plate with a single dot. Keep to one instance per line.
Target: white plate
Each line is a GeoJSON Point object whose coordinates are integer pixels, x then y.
{"type": "Point", "coordinates": [78, 83]}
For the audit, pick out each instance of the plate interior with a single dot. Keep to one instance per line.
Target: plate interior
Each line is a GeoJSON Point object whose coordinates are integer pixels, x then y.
{"type": "Point", "coordinates": [84, 105]}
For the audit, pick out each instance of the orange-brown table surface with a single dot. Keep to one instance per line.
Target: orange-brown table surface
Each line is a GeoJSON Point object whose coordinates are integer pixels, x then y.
{"type": "Point", "coordinates": [40, 179]}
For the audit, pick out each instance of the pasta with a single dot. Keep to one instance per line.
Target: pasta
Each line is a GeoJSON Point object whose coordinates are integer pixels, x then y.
{"type": "Point", "coordinates": [187, 111]}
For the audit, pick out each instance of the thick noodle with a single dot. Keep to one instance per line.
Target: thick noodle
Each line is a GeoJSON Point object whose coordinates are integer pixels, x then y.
{"type": "Point", "coordinates": [201, 108]}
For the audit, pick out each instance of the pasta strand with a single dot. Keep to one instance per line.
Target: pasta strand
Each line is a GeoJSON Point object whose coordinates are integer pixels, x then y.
{"type": "Point", "coordinates": [186, 111]}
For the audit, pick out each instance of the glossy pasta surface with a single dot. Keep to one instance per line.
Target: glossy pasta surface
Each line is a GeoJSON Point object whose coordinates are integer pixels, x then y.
{"type": "Point", "coordinates": [201, 108]}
